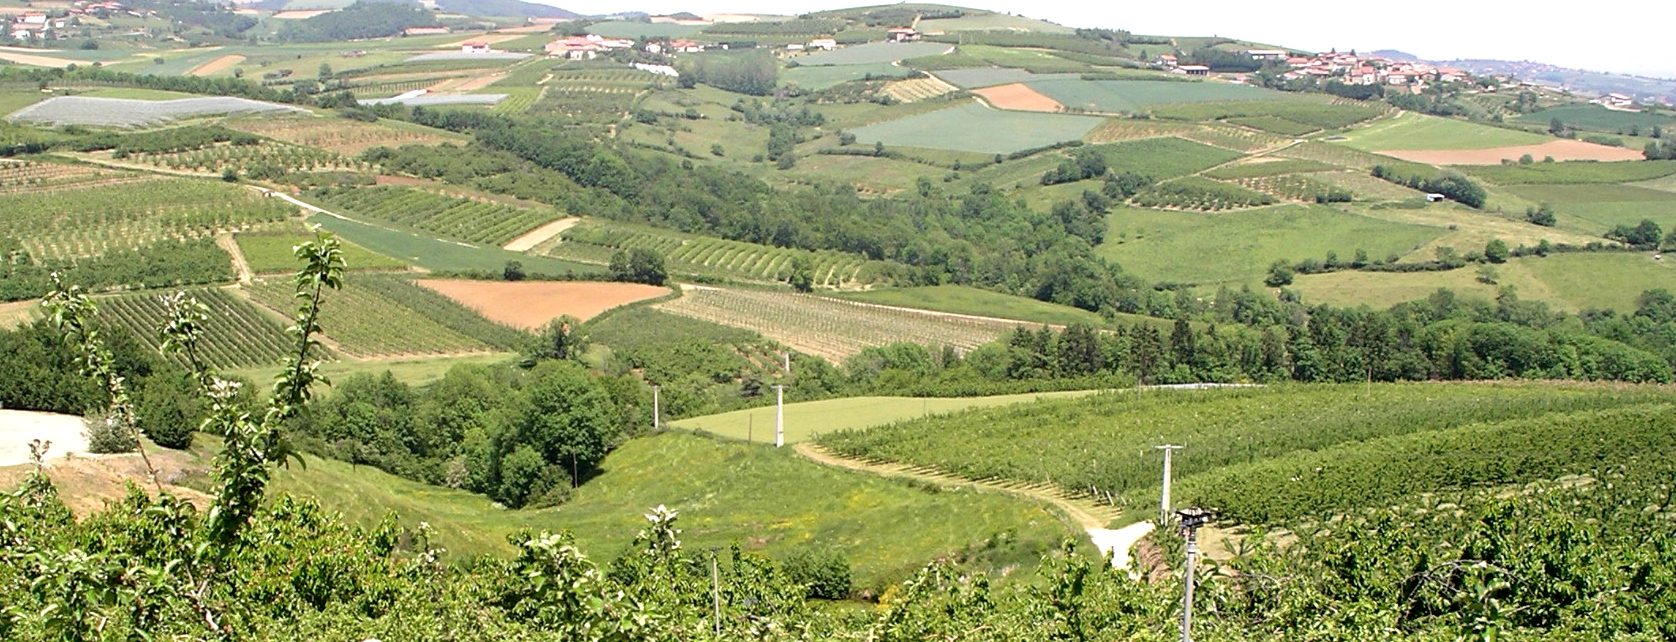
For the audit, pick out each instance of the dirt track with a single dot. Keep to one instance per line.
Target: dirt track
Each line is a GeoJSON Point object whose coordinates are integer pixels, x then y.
{"type": "Point", "coordinates": [1090, 517]}
{"type": "Point", "coordinates": [218, 65]}
{"type": "Point", "coordinates": [541, 234]}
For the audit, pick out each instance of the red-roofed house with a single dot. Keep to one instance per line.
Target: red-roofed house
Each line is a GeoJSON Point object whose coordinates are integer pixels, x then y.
{"type": "Point", "coordinates": [474, 47]}
{"type": "Point", "coordinates": [902, 34]}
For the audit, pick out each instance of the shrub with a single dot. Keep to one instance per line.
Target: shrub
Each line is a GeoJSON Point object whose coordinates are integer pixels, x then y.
{"type": "Point", "coordinates": [168, 410]}
{"type": "Point", "coordinates": [825, 573]}
{"type": "Point", "coordinates": [106, 434]}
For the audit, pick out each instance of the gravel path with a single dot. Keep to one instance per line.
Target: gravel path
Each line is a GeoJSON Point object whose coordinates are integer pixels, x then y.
{"type": "Point", "coordinates": [19, 427]}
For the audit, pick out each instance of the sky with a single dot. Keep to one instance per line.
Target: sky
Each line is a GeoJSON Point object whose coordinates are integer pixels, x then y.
{"type": "Point", "coordinates": [1626, 37]}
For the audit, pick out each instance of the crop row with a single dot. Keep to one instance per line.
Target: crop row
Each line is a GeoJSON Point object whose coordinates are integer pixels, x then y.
{"type": "Point", "coordinates": [1121, 129]}
{"type": "Point", "coordinates": [444, 311]}
{"type": "Point", "coordinates": [71, 223]}
{"type": "Point", "coordinates": [1267, 167]}
{"type": "Point", "coordinates": [236, 334]}
{"type": "Point", "coordinates": [832, 328]}
{"type": "Point", "coordinates": [247, 157]}
{"type": "Point", "coordinates": [1328, 482]}
{"type": "Point", "coordinates": [705, 256]}
{"type": "Point", "coordinates": [1200, 194]}
{"type": "Point", "coordinates": [1296, 188]}
{"type": "Point", "coordinates": [1105, 442]}
{"type": "Point", "coordinates": [1333, 155]}
{"type": "Point", "coordinates": [917, 89]}
{"type": "Point", "coordinates": [362, 322]}
{"type": "Point", "coordinates": [1318, 115]}
{"type": "Point", "coordinates": [519, 99]}
{"type": "Point", "coordinates": [339, 135]}
{"type": "Point", "coordinates": [22, 174]}
{"type": "Point", "coordinates": [464, 218]}
{"type": "Point", "coordinates": [1235, 138]}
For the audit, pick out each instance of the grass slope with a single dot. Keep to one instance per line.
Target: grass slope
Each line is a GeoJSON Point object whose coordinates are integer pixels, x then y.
{"type": "Point", "coordinates": [436, 254]}
{"type": "Point", "coordinates": [1138, 95]}
{"type": "Point", "coordinates": [961, 299]}
{"type": "Point", "coordinates": [764, 499]}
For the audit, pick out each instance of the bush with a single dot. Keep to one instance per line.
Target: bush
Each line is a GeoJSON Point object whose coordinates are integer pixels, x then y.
{"type": "Point", "coordinates": [826, 574]}
{"type": "Point", "coordinates": [169, 410]}
{"type": "Point", "coordinates": [106, 434]}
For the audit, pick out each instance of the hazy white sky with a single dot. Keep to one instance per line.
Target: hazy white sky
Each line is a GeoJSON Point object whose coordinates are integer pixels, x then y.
{"type": "Point", "coordinates": [1626, 37]}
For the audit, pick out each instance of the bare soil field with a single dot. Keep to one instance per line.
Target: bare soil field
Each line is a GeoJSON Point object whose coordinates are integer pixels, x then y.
{"type": "Point", "coordinates": [1018, 96]}
{"type": "Point", "coordinates": [539, 27]}
{"type": "Point", "coordinates": [467, 84]}
{"type": "Point", "coordinates": [486, 39]}
{"type": "Point", "coordinates": [530, 304]}
{"type": "Point", "coordinates": [30, 59]}
{"type": "Point", "coordinates": [1561, 150]}
{"type": "Point", "coordinates": [301, 15]}
{"type": "Point", "coordinates": [541, 234]}
{"type": "Point", "coordinates": [386, 179]}
{"type": "Point", "coordinates": [218, 65]}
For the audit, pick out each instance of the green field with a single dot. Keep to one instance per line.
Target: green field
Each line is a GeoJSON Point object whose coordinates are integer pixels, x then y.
{"type": "Point", "coordinates": [1568, 282]}
{"type": "Point", "coordinates": [440, 255]}
{"type": "Point", "coordinates": [1238, 247]}
{"type": "Point", "coordinates": [269, 252]}
{"type": "Point", "coordinates": [1411, 131]}
{"type": "Point", "coordinates": [1599, 118]}
{"type": "Point", "coordinates": [1572, 173]}
{"type": "Point", "coordinates": [872, 53]}
{"type": "Point", "coordinates": [1301, 110]}
{"type": "Point", "coordinates": [961, 299]}
{"type": "Point", "coordinates": [952, 129]}
{"type": "Point", "coordinates": [990, 76]}
{"type": "Point", "coordinates": [237, 334]}
{"type": "Point", "coordinates": [124, 211]}
{"type": "Point", "coordinates": [816, 78]}
{"type": "Point", "coordinates": [1163, 158]}
{"type": "Point", "coordinates": [1105, 441]}
{"type": "Point", "coordinates": [987, 21]}
{"type": "Point", "coordinates": [1135, 96]}
{"type": "Point", "coordinates": [763, 499]}
{"type": "Point", "coordinates": [807, 421]}
{"type": "Point", "coordinates": [475, 220]}
{"type": "Point", "coordinates": [1599, 208]}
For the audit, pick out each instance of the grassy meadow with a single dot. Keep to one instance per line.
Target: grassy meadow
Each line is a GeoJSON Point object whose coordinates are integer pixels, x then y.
{"type": "Point", "coordinates": [763, 499]}
{"type": "Point", "coordinates": [1237, 247]}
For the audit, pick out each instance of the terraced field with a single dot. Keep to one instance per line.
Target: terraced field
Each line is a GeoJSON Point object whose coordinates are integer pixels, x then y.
{"type": "Point", "coordinates": [1004, 131]}
{"type": "Point", "coordinates": [596, 241]}
{"type": "Point", "coordinates": [832, 328]}
{"type": "Point", "coordinates": [245, 158]}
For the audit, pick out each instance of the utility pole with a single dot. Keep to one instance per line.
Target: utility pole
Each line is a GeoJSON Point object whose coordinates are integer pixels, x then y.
{"type": "Point", "coordinates": [1191, 520]}
{"type": "Point", "coordinates": [779, 415]}
{"type": "Point", "coordinates": [656, 422]}
{"type": "Point", "coordinates": [1164, 502]}
{"type": "Point", "coordinates": [716, 591]}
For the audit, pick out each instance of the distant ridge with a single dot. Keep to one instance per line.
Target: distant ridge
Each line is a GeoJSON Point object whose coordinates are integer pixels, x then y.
{"type": "Point", "coordinates": [505, 8]}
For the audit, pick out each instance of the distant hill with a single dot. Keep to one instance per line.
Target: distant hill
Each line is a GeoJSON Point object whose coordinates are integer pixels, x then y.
{"type": "Point", "coordinates": [1641, 87]}
{"type": "Point", "coordinates": [1392, 54]}
{"type": "Point", "coordinates": [505, 8]}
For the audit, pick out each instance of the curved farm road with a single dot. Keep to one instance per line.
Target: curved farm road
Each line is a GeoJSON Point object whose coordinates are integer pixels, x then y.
{"type": "Point", "coordinates": [225, 241]}
{"type": "Point", "coordinates": [1092, 518]}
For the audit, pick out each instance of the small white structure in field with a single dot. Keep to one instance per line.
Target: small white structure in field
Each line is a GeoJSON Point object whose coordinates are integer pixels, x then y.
{"type": "Point", "coordinates": [474, 47]}
{"type": "Point", "coordinates": [1435, 198]}
{"type": "Point", "coordinates": [823, 43]}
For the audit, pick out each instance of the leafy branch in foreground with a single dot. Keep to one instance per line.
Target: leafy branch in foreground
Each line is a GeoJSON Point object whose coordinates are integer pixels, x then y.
{"type": "Point", "coordinates": [250, 445]}
{"type": "Point", "coordinates": [71, 312]}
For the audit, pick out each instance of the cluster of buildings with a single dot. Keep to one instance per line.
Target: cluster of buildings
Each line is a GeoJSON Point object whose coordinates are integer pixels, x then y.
{"type": "Point", "coordinates": [1349, 68]}
{"type": "Point", "coordinates": [585, 47]}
